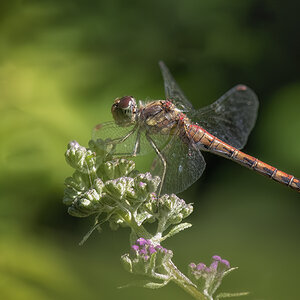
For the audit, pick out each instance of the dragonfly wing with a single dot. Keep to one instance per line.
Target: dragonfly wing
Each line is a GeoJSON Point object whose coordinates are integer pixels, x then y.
{"type": "Point", "coordinates": [173, 91]}
{"type": "Point", "coordinates": [232, 117]}
{"type": "Point", "coordinates": [110, 132]}
{"type": "Point", "coordinates": [185, 164]}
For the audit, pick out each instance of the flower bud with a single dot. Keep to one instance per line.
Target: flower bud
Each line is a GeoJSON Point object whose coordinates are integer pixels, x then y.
{"type": "Point", "coordinates": [118, 187]}
{"type": "Point", "coordinates": [116, 168]}
{"type": "Point", "coordinates": [126, 262]}
{"type": "Point", "coordinates": [80, 158]}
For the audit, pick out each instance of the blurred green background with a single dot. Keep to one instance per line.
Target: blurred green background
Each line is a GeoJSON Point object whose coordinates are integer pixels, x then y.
{"type": "Point", "coordinates": [61, 65]}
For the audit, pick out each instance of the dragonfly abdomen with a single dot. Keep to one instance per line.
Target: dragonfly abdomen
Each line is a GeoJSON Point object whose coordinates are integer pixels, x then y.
{"type": "Point", "coordinates": [265, 169]}
{"type": "Point", "coordinates": [206, 141]}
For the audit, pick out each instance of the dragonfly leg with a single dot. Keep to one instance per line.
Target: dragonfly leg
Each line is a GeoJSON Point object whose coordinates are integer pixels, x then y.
{"type": "Point", "coordinates": [162, 160]}
{"type": "Point", "coordinates": [124, 138]}
{"type": "Point", "coordinates": [136, 149]}
{"type": "Point", "coordinates": [116, 141]}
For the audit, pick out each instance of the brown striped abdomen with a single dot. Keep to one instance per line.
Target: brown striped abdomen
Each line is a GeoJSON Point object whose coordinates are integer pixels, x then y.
{"type": "Point", "coordinates": [208, 142]}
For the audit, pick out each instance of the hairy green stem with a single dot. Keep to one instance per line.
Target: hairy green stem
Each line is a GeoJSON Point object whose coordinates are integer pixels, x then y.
{"type": "Point", "coordinates": [181, 280]}
{"type": "Point", "coordinates": [138, 229]}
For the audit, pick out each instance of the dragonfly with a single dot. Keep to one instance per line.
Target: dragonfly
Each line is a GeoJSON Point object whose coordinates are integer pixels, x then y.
{"type": "Point", "coordinates": [178, 134]}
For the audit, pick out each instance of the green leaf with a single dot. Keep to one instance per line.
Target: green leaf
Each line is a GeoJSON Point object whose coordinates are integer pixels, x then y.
{"type": "Point", "coordinates": [145, 284]}
{"type": "Point", "coordinates": [155, 285]}
{"type": "Point", "coordinates": [176, 229]}
{"type": "Point", "coordinates": [230, 295]}
{"type": "Point", "coordinates": [229, 271]}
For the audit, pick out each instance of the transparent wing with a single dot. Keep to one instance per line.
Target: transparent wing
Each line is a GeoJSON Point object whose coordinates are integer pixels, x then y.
{"type": "Point", "coordinates": [232, 117]}
{"type": "Point", "coordinates": [185, 164]}
{"type": "Point", "coordinates": [110, 133]}
{"type": "Point", "coordinates": [173, 91]}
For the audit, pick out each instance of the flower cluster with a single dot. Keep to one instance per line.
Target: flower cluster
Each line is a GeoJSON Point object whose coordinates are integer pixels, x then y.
{"type": "Point", "coordinates": [146, 258]}
{"type": "Point", "coordinates": [115, 188]}
{"type": "Point", "coordinates": [209, 278]}
{"type": "Point", "coordinates": [145, 248]}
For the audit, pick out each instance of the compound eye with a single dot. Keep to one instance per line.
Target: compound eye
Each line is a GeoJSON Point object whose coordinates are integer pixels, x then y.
{"type": "Point", "coordinates": [124, 110]}
{"type": "Point", "coordinates": [125, 102]}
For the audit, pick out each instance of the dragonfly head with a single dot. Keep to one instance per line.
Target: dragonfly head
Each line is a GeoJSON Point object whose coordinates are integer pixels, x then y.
{"type": "Point", "coordinates": [124, 111]}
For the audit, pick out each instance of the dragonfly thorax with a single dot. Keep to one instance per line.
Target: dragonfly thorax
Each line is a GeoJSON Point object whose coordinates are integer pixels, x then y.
{"type": "Point", "coordinates": [124, 111]}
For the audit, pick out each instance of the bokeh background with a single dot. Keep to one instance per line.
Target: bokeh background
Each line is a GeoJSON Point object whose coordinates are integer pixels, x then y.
{"type": "Point", "coordinates": [61, 65]}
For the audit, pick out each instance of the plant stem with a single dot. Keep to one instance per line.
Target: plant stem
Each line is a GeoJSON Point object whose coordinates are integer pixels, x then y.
{"type": "Point", "coordinates": [138, 229]}
{"type": "Point", "coordinates": [181, 280]}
